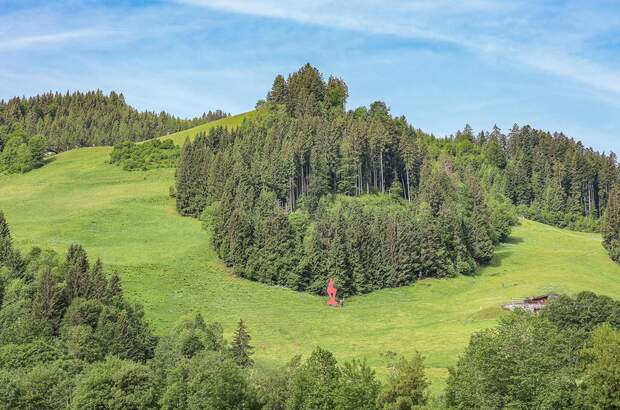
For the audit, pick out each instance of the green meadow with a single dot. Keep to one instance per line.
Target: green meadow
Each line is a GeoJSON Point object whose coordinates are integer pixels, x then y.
{"type": "Point", "coordinates": [167, 264]}
{"type": "Point", "coordinates": [228, 122]}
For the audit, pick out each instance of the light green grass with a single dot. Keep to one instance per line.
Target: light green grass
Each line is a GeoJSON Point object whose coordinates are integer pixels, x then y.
{"type": "Point", "coordinates": [167, 264]}
{"type": "Point", "coordinates": [229, 122]}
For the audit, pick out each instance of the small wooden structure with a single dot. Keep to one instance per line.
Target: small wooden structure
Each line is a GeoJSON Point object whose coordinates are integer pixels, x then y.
{"type": "Point", "coordinates": [531, 304]}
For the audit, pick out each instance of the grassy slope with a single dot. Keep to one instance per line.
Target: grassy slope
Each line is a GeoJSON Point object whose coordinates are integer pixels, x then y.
{"type": "Point", "coordinates": [166, 263]}
{"type": "Point", "coordinates": [232, 121]}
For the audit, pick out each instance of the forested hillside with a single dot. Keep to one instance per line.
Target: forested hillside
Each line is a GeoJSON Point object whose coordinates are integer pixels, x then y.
{"type": "Point", "coordinates": [70, 339]}
{"type": "Point", "coordinates": [56, 122]}
{"type": "Point", "coordinates": [309, 191]}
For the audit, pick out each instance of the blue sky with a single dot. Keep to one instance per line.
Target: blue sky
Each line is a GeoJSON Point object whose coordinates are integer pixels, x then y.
{"type": "Point", "coordinates": [441, 63]}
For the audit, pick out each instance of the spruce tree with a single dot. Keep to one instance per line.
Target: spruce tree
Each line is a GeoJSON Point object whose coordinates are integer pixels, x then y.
{"type": "Point", "coordinates": [114, 290]}
{"type": "Point", "coordinates": [76, 276]}
{"type": "Point", "coordinates": [97, 282]}
{"type": "Point", "coordinates": [611, 225]}
{"type": "Point", "coordinates": [9, 257]}
{"type": "Point", "coordinates": [241, 348]}
{"type": "Point", "coordinates": [479, 227]}
{"type": "Point", "coordinates": [6, 242]}
{"type": "Point", "coordinates": [47, 303]}
{"type": "Point", "coordinates": [183, 178]}
{"type": "Point", "coordinates": [279, 92]}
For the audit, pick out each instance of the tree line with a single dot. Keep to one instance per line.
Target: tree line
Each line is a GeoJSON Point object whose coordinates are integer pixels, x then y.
{"type": "Point", "coordinates": [309, 191]}
{"type": "Point", "coordinates": [54, 122]}
{"type": "Point", "coordinates": [294, 164]}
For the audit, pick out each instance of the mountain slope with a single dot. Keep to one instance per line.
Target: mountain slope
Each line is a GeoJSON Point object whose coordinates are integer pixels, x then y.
{"type": "Point", "coordinates": [229, 122]}
{"type": "Point", "coordinates": [167, 264]}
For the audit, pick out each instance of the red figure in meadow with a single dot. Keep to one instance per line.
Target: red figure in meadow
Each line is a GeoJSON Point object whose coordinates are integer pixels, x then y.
{"type": "Point", "coordinates": [331, 292]}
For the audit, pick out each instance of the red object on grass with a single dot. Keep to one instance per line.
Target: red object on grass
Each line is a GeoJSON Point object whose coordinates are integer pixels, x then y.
{"type": "Point", "coordinates": [331, 292]}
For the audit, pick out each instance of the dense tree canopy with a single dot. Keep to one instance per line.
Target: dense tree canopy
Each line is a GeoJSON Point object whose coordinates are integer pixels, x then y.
{"type": "Point", "coordinates": [309, 191]}
{"type": "Point", "coordinates": [148, 155]}
{"type": "Point", "coordinates": [566, 358]}
{"type": "Point", "coordinates": [86, 119]}
{"type": "Point", "coordinates": [275, 191]}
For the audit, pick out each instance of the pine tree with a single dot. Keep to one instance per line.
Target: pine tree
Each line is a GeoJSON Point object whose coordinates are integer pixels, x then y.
{"type": "Point", "coordinates": [6, 242]}
{"type": "Point", "coordinates": [611, 224]}
{"type": "Point", "coordinates": [9, 257]}
{"type": "Point", "coordinates": [114, 290]}
{"type": "Point", "coordinates": [336, 262]}
{"type": "Point", "coordinates": [47, 303]}
{"type": "Point", "coordinates": [183, 173]}
{"type": "Point", "coordinates": [97, 282]}
{"type": "Point", "coordinates": [76, 276]}
{"type": "Point", "coordinates": [337, 93]}
{"type": "Point", "coordinates": [279, 91]}
{"type": "Point", "coordinates": [479, 227]}
{"type": "Point", "coordinates": [241, 348]}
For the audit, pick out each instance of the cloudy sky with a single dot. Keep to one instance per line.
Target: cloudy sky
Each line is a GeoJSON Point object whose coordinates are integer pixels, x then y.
{"type": "Point", "coordinates": [441, 63]}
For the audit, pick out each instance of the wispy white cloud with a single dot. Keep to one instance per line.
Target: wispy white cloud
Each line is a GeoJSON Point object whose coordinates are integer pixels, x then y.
{"type": "Point", "coordinates": [9, 43]}
{"type": "Point", "coordinates": [553, 41]}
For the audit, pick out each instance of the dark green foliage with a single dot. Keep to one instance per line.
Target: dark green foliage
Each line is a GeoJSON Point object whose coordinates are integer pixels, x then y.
{"type": "Point", "coordinates": [279, 91]}
{"type": "Point", "coordinates": [45, 387]}
{"type": "Point", "coordinates": [10, 258]}
{"type": "Point", "coordinates": [208, 381]}
{"type": "Point", "coordinates": [17, 321]}
{"type": "Point", "coordinates": [191, 177]}
{"type": "Point", "coordinates": [81, 279]}
{"type": "Point", "coordinates": [584, 311]}
{"type": "Point", "coordinates": [273, 387]}
{"type": "Point", "coordinates": [40, 387]}
{"type": "Point", "coordinates": [85, 119]}
{"type": "Point", "coordinates": [116, 384]}
{"type": "Point", "coordinates": [21, 152]}
{"type": "Point", "coordinates": [9, 391]}
{"type": "Point", "coordinates": [359, 387]}
{"type": "Point", "coordinates": [302, 159]}
{"type": "Point", "coordinates": [611, 224]}
{"type": "Point", "coordinates": [315, 383]}
{"type": "Point", "coordinates": [479, 225]}
{"type": "Point", "coordinates": [28, 355]}
{"type": "Point", "coordinates": [406, 385]}
{"type": "Point", "coordinates": [523, 363]}
{"type": "Point", "coordinates": [558, 359]}
{"type": "Point", "coordinates": [148, 155]}
{"type": "Point", "coordinates": [601, 382]}
{"type": "Point", "coordinates": [240, 347]}
{"type": "Point", "coordinates": [189, 338]}
{"type": "Point", "coordinates": [212, 116]}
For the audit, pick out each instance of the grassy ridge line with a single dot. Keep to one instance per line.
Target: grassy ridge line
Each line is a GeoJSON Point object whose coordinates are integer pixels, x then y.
{"type": "Point", "coordinates": [229, 122]}
{"type": "Point", "coordinates": [166, 262]}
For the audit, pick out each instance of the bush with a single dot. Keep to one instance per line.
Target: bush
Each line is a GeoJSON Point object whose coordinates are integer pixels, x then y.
{"type": "Point", "coordinates": [149, 155]}
{"type": "Point", "coordinates": [116, 384]}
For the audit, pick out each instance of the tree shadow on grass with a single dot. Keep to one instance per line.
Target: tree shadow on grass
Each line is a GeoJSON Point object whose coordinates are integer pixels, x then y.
{"type": "Point", "coordinates": [49, 160]}
{"type": "Point", "coordinates": [503, 251]}
{"type": "Point", "coordinates": [514, 240]}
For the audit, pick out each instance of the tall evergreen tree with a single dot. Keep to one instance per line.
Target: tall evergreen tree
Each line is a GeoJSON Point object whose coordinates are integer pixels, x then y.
{"type": "Point", "coordinates": [241, 348]}
{"type": "Point", "coordinates": [279, 91]}
{"type": "Point", "coordinates": [76, 277]}
{"type": "Point", "coordinates": [6, 241]}
{"type": "Point", "coordinates": [611, 224]}
{"type": "Point", "coordinates": [9, 257]}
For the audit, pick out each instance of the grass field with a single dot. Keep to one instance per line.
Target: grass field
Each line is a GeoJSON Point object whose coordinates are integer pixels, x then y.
{"type": "Point", "coordinates": [167, 264]}
{"type": "Point", "coordinates": [228, 122]}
